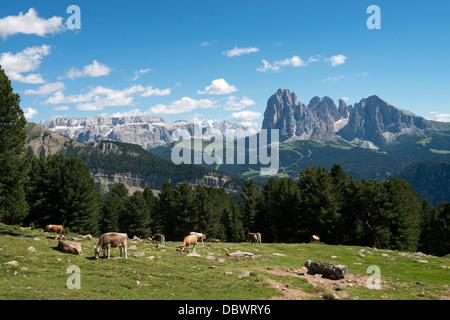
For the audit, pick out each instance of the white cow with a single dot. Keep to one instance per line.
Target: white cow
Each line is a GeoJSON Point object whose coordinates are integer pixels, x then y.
{"type": "Point", "coordinates": [199, 235]}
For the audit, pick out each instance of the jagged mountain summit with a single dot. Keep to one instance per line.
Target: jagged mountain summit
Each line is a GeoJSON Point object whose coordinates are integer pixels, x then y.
{"type": "Point", "coordinates": [369, 123]}
{"type": "Point", "coordinates": [144, 131]}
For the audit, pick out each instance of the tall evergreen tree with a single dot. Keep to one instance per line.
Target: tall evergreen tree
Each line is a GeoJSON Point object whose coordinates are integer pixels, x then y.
{"type": "Point", "coordinates": [114, 208]}
{"type": "Point", "coordinates": [253, 199]}
{"type": "Point", "coordinates": [13, 173]}
{"type": "Point", "coordinates": [405, 206]}
{"type": "Point", "coordinates": [138, 216]}
{"type": "Point", "coordinates": [320, 204]}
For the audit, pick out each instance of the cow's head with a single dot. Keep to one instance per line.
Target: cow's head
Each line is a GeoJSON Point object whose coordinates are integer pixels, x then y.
{"type": "Point", "coordinates": [97, 251]}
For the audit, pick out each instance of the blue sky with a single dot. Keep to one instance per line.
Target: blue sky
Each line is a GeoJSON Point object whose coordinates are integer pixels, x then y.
{"type": "Point", "coordinates": [175, 59]}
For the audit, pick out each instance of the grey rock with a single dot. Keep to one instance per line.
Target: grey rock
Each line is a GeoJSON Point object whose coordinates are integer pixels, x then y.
{"type": "Point", "coordinates": [329, 270]}
{"type": "Point", "coordinates": [244, 274]}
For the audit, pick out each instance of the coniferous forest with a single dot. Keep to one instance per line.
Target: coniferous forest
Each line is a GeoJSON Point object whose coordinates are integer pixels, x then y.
{"type": "Point", "coordinates": [339, 208]}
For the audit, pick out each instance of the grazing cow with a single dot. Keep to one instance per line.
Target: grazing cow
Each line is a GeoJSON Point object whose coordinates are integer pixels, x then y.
{"type": "Point", "coordinates": [252, 237]}
{"type": "Point", "coordinates": [69, 247]}
{"type": "Point", "coordinates": [199, 235]}
{"type": "Point", "coordinates": [54, 228]}
{"type": "Point", "coordinates": [109, 240]}
{"type": "Point", "coordinates": [188, 241]}
{"type": "Point", "coordinates": [315, 238]}
{"type": "Point", "coordinates": [159, 237]}
{"type": "Point", "coordinates": [216, 240]}
{"type": "Point", "coordinates": [258, 237]}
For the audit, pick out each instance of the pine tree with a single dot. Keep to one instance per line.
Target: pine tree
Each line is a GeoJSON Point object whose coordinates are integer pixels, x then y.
{"type": "Point", "coordinates": [13, 173]}
{"type": "Point", "coordinates": [320, 204]}
{"type": "Point", "coordinates": [114, 208]}
{"type": "Point", "coordinates": [253, 199]}
{"type": "Point", "coordinates": [62, 191]}
{"type": "Point", "coordinates": [138, 216]}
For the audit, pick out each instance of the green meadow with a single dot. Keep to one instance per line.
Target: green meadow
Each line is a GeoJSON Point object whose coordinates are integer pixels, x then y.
{"type": "Point", "coordinates": [273, 271]}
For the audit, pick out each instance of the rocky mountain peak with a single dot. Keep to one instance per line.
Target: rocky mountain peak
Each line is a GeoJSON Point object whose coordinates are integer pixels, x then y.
{"type": "Point", "coordinates": [372, 121]}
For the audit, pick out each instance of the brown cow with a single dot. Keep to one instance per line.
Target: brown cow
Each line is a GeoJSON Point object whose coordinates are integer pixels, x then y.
{"type": "Point", "coordinates": [69, 247]}
{"type": "Point", "coordinates": [114, 240]}
{"type": "Point", "coordinates": [188, 241]}
{"type": "Point", "coordinates": [54, 228]}
{"type": "Point", "coordinates": [216, 240]}
{"type": "Point", "coordinates": [252, 238]}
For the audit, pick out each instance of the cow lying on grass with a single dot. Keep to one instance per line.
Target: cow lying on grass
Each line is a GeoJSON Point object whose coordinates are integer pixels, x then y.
{"type": "Point", "coordinates": [69, 247]}
{"type": "Point", "coordinates": [109, 240]}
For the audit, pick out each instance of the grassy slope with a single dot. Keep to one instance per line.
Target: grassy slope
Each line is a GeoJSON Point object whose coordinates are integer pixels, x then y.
{"type": "Point", "coordinates": [176, 276]}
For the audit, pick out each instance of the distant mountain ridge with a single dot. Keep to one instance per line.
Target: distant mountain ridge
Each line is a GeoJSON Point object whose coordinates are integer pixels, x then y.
{"type": "Point", "coordinates": [369, 123]}
{"type": "Point", "coordinates": [145, 131]}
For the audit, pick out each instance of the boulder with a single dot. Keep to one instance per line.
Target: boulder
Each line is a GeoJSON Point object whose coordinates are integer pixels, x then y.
{"type": "Point", "coordinates": [326, 269]}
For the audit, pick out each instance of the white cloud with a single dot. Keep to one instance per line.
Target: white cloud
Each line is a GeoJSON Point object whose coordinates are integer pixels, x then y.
{"type": "Point", "coordinates": [333, 79]}
{"type": "Point", "coordinates": [131, 113]}
{"type": "Point", "coordinates": [30, 23]}
{"type": "Point", "coordinates": [345, 98]}
{"type": "Point", "coordinates": [29, 113]}
{"type": "Point", "coordinates": [46, 89]}
{"type": "Point", "coordinates": [209, 43]}
{"type": "Point", "coordinates": [219, 86]}
{"type": "Point", "coordinates": [248, 124]}
{"type": "Point", "coordinates": [442, 117]}
{"type": "Point", "coordinates": [185, 104]}
{"type": "Point", "coordinates": [336, 60]}
{"type": "Point", "coordinates": [149, 91]}
{"type": "Point", "coordinates": [25, 61]}
{"type": "Point", "coordinates": [137, 74]}
{"type": "Point", "coordinates": [295, 61]}
{"type": "Point", "coordinates": [234, 104]}
{"type": "Point", "coordinates": [93, 70]}
{"type": "Point", "coordinates": [245, 116]}
{"type": "Point", "coordinates": [239, 51]}
{"type": "Point", "coordinates": [100, 97]}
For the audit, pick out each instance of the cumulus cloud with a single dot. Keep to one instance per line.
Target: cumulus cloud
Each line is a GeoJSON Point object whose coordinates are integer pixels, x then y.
{"type": "Point", "coordinates": [30, 23]}
{"type": "Point", "coordinates": [336, 60]}
{"type": "Point", "coordinates": [234, 103]}
{"type": "Point", "coordinates": [93, 70]}
{"type": "Point", "coordinates": [29, 113]}
{"type": "Point", "coordinates": [100, 97]}
{"type": "Point", "coordinates": [239, 51]}
{"type": "Point", "coordinates": [295, 61]}
{"type": "Point", "coordinates": [185, 104]}
{"type": "Point", "coordinates": [15, 64]}
{"type": "Point", "coordinates": [219, 86]}
{"type": "Point", "coordinates": [47, 89]}
{"type": "Point", "coordinates": [246, 116]}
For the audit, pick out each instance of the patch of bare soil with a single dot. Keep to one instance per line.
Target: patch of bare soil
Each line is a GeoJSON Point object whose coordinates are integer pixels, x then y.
{"type": "Point", "coordinates": [323, 285]}
{"type": "Point", "coordinates": [288, 293]}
